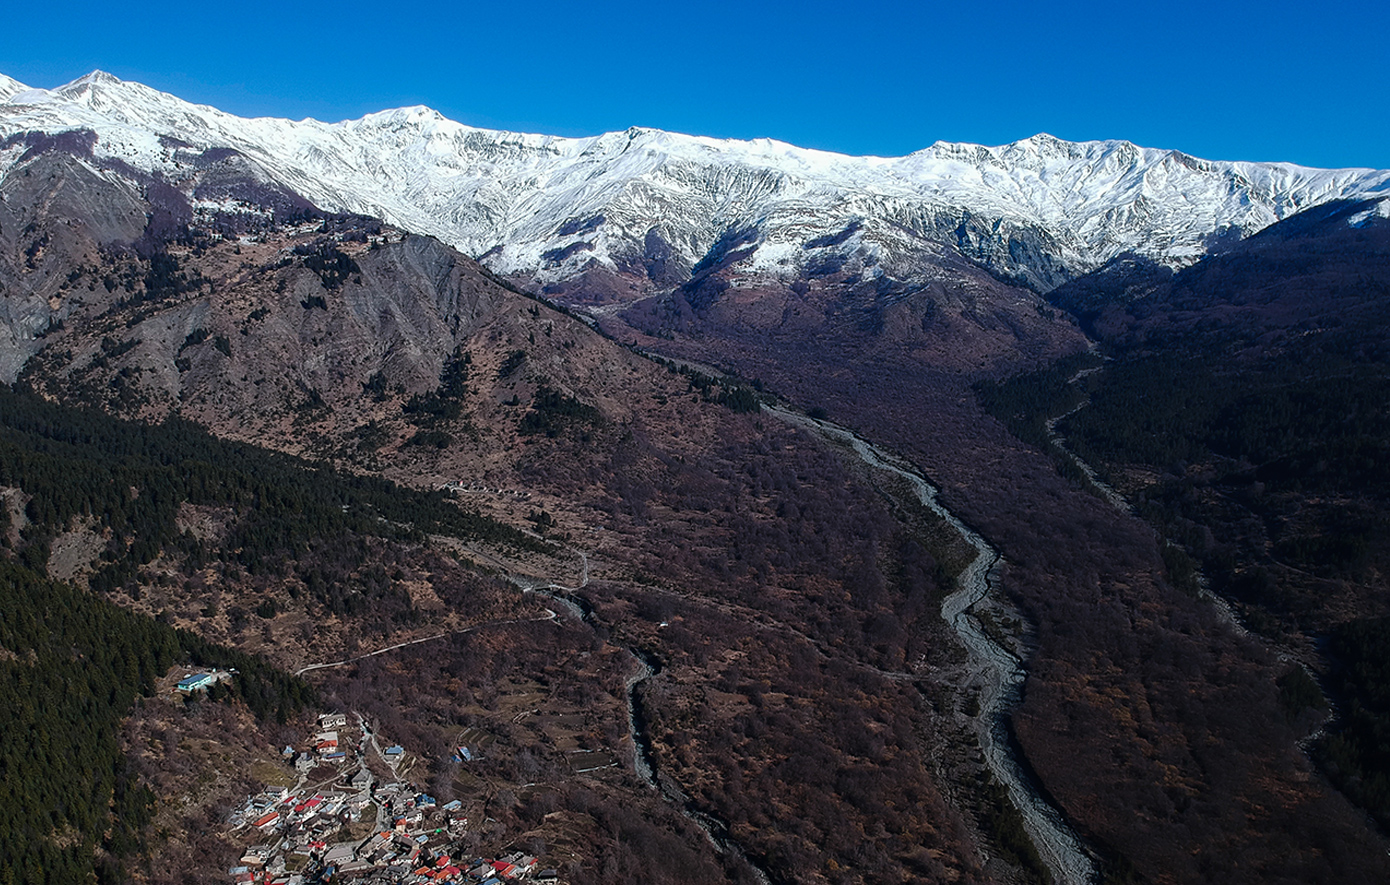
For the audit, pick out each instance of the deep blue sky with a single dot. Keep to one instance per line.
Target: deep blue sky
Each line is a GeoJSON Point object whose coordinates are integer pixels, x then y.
{"type": "Point", "coordinates": [1307, 83]}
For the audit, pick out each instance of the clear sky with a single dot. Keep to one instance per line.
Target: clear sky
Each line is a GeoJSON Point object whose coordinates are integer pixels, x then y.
{"type": "Point", "coordinates": [1307, 82]}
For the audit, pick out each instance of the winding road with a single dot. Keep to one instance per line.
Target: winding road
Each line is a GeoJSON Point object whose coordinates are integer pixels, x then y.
{"type": "Point", "coordinates": [549, 616]}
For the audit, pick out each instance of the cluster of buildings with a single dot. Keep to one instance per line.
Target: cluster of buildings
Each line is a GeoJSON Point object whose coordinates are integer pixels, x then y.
{"type": "Point", "coordinates": [298, 818]}
{"type": "Point", "coordinates": [308, 836]}
{"type": "Point", "coordinates": [326, 748]}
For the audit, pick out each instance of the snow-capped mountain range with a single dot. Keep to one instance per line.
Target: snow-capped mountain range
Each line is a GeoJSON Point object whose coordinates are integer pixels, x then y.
{"type": "Point", "coordinates": [551, 209]}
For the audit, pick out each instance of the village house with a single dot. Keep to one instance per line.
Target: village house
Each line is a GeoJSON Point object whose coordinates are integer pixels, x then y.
{"type": "Point", "coordinates": [197, 682]}
{"type": "Point", "coordinates": [360, 780]}
{"type": "Point", "coordinates": [326, 742]}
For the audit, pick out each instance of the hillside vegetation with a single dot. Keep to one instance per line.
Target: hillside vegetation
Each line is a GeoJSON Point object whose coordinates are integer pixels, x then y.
{"type": "Point", "coordinates": [1247, 412]}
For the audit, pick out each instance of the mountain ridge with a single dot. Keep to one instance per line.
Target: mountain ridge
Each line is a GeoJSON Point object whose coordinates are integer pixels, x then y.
{"type": "Point", "coordinates": [740, 559]}
{"type": "Point", "coordinates": [549, 210]}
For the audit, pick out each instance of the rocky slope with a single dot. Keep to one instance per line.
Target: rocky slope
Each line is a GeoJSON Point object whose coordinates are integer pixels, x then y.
{"type": "Point", "coordinates": [737, 552]}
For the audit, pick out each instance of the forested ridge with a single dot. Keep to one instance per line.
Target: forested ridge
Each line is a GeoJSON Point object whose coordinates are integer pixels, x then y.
{"type": "Point", "coordinates": [131, 478]}
{"type": "Point", "coordinates": [73, 664]}
{"type": "Point", "coordinates": [1245, 413]}
{"type": "Point", "coordinates": [1275, 480]}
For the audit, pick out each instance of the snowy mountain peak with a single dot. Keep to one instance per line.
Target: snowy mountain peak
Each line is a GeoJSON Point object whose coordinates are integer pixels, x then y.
{"type": "Point", "coordinates": [10, 87]}
{"type": "Point", "coordinates": [94, 79]}
{"type": "Point", "coordinates": [415, 115]}
{"type": "Point", "coordinates": [553, 209]}
{"type": "Point", "coordinates": [99, 89]}
{"type": "Point", "coordinates": [1046, 145]}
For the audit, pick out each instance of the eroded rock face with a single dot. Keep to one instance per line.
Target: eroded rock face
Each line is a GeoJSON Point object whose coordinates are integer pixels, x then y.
{"type": "Point", "coordinates": [56, 213]}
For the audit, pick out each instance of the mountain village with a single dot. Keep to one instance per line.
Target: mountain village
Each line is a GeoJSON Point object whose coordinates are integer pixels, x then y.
{"type": "Point", "coordinates": [314, 831]}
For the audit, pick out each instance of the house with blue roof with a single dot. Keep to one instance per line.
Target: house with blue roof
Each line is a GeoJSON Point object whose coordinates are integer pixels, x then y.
{"type": "Point", "coordinates": [197, 682]}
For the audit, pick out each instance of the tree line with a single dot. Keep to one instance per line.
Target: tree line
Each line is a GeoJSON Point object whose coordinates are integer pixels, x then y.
{"type": "Point", "coordinates": [72, 666]}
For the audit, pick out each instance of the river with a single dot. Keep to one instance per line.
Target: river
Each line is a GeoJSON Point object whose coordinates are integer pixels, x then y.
{"type": "Point", "coordinates": [1000, 672]}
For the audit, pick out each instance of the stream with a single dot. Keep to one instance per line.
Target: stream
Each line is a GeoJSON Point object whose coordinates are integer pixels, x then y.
{"type": "Point", "coordinates": [1223, 608]}
{"type": "Point", "coordinates": [1000, 672]}
{"type": "Point", "coordinates": [643, 761]}
{"type": "Point", "coordinates": [1112, 497]}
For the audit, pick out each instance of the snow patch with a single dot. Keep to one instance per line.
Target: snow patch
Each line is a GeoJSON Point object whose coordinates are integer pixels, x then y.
{"type": "Point", "coordinates": [1379, 210]}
